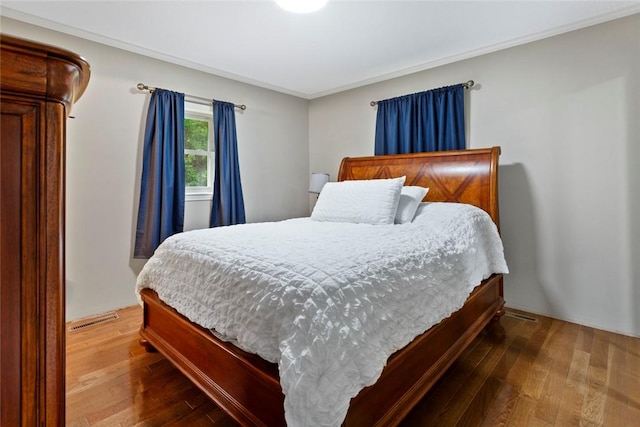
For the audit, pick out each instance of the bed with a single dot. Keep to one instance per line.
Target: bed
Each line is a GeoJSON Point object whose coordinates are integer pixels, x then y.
{"type": "Point", "coordinates": [248, 387]}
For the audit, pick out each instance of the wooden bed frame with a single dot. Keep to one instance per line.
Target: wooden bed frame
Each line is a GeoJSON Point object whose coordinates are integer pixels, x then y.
{"type": "Point", "coordinates": [247, 387]}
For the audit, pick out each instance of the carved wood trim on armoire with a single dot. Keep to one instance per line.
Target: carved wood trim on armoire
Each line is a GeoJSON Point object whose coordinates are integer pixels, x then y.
{"type": "Point", "coordinates": [38, 86]}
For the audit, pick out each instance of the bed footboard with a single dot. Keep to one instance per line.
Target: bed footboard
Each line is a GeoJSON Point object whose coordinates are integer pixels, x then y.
{"type": "Point", "coordinates": [248, 389]}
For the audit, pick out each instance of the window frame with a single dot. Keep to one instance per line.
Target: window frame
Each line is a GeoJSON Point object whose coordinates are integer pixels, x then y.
{"type": "Point", "coordinates": [201, 112]}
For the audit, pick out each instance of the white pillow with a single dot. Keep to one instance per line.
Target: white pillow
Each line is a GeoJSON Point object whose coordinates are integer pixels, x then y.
{"type": "Point", "coordinates": [410, 199]}
{"type": "Point", "coordinates": [371, 201]}
{"type": "Point", "coordinates": [423, 212]}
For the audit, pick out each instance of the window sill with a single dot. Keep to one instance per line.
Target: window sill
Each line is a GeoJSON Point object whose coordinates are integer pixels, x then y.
{"type": "Point", "coordinates": [198, 197]}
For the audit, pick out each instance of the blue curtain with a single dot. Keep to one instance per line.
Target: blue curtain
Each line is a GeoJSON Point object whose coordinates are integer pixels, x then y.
{"type": "Point", "coordinates": [228, 204]}
{"type": "Point", "coordinates": [425, 121]}
{"type": "Point", "coordinates": [161, 209]}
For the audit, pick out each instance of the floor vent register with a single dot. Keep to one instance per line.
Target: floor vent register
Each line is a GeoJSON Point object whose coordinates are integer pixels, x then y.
{"type": "Point", "coordinates": [92, 321]}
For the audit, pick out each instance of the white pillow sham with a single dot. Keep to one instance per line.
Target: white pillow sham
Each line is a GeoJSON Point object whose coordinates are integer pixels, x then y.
{"type": "Point", "coordinates": [371, 201]}
{"type": "Point", "coordinates": [410, 198]}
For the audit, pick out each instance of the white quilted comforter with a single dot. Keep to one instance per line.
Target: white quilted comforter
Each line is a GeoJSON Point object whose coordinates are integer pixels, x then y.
{"type": "Point", "coordinates": [328, 302]}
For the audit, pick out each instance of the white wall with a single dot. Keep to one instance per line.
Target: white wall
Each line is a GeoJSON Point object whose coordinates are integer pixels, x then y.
{"type": "Point", "coordinates": [104, 147]}
{"type": "Point", "coordinates": [564, 110]}
{"type": "Point", "coordinates": [566, 113]}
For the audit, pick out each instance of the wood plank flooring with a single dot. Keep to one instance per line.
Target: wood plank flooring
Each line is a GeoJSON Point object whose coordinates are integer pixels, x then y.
{"type": "Point", "coordinates": [545, 373]}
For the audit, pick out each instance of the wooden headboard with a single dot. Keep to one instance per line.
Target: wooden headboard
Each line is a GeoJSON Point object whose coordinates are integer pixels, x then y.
{"type": "Point", "coordinates": [465, 176]}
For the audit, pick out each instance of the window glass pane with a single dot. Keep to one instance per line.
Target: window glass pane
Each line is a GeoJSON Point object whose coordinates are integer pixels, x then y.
{"type": "Point", "coordinates": [196, 134]}
{"type": "Point", "coordinates": [195, 170]}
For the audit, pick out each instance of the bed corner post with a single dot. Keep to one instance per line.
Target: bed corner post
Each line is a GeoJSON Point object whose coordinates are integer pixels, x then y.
{"type": "Point", "coordinates": [142, 340]}
{"type": "Point", "coordinates": [495, 155]}
{"type": "Point", "coordinates": [146, 344]}
{"type": "Point", "coordinates": [494, 327]}
{"type": "Point", "coordinates": [145, 312]}
{"type": "Point", "coordinates": [500, 311]}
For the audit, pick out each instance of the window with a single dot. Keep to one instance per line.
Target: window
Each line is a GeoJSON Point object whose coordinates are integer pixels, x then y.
{"type": "Point", "coordinates": [198, 152]}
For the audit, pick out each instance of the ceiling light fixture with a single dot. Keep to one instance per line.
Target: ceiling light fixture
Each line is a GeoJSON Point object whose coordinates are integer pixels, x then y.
{"type": "Point", "coordinates": [301, 6]}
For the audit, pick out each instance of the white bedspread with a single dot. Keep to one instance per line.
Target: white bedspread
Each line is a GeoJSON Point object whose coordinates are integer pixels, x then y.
{"type": "Point", "coordinates": [328, 302]}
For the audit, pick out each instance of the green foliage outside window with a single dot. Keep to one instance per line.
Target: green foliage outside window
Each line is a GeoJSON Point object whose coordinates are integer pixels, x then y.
{"type": "Point", "coordinates": [196, 137]}
{"type": "Point", "coordinates": [195, 170]}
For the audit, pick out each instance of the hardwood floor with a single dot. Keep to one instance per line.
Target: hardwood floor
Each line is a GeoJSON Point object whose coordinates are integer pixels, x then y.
{"type": "Point", "coordinates": [544, 373]}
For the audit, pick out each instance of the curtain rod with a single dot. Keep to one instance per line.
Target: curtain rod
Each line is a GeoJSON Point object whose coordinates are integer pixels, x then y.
{"type": "Point", "coordinates": [466, 85]}
{"type": "Point", "coordinates": [198, 99]}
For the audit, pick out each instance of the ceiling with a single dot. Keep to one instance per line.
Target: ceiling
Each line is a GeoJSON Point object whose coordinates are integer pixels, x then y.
{"type": "Point", "coordinates": [345, 45]}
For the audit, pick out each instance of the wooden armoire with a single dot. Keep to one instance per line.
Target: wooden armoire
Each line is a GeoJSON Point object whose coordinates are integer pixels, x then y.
{"type": "Point", "coordinates": [38, 85]}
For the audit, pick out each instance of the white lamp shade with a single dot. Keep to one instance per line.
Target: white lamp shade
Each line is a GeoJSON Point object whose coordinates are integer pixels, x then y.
{"type": "Point", "coordinates": [318, 180]}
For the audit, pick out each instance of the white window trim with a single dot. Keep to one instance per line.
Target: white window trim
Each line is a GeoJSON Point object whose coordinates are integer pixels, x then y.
{"type": "Point", "coordinates": [198, 197]}
{"type": "Point", "coordinates": [193, 194]}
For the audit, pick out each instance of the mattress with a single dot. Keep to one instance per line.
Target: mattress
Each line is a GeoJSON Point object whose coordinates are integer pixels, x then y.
{"type": "Point", "coordinates": [328, 302]}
